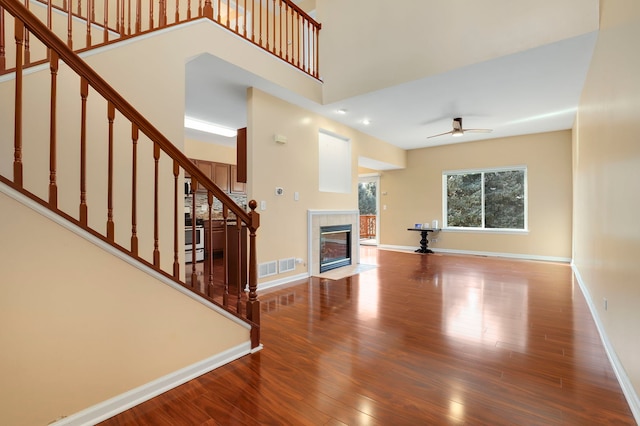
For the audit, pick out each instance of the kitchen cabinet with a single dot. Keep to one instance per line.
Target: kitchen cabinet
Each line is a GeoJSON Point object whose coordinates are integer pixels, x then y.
{"type": "Point", "coordinates": [234, 243]}
{"type": "Point", "coordinates": [237, 187]}
{"type": "Point", "coordinates": [222, 174]}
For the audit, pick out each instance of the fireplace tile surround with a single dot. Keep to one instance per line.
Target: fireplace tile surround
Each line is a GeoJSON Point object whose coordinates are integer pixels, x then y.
{"type": "Point", "coordinates": [318, 218]}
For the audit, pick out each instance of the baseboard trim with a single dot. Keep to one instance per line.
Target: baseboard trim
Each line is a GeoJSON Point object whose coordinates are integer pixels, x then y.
{"type": "Point", "coordinates": [483, 253]}
{"type": "Point", "coordinates": [127, 400]}
{"type": "Point", "coordinates": [282, 281]}
{"type": "Point", "coordinates": [625, 383]}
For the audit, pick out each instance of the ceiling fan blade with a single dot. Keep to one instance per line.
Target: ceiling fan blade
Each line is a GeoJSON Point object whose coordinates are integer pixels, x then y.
{"type": "Point", "coordinates": [478, 130]}
{"type": "Point", "coordinates": [441, 134]}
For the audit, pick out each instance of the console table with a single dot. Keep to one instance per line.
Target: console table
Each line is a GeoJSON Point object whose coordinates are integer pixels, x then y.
{"type": "Point", "coordinates": [424, 242]}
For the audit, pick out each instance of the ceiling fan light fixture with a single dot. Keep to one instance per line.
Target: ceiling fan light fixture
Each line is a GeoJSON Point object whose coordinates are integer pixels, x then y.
{"type": "Point", "coordinates": [457, 133]}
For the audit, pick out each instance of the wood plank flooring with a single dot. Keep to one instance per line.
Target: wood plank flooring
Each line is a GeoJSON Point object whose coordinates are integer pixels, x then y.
{"type": "Point", "coordinates": [420, 340]}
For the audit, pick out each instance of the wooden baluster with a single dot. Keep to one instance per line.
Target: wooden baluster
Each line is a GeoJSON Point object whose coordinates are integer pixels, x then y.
{"type": "Point", "coordinates": [253, 20]}
{"type": "Point", "coordinates": [89, 3]}
{"type": "Point", "coordinates": [209, 253]}
{"type": "Point", "coordinates": [237, 16]}
{"type": "Point", "coordinates": [188, 9]}
{"type": "Point", "coordinates": [162, 19]}
{"type": "Point", "coordinates": [274, 26]}
{"type": "Point", "coordinates": [49, 11]}
{"type": "Point", "coordinates": [260, 18]}
{"type": "Point", "coordinates": [199, 7]}
{"type": "Point", "coordinates": [134, 189]}
{"type": "Point", "coordinates": [280, 25]}
{"type": "Point", "coordinates": [105, 36]}
{"type": "Point", "coordinates": [238, 265]}
{"type": "Point", "coordinates": [17, 140]}
{"type": "Point", "coordinates": [218, 11]}
{"type": "Point", "coordinates": [129, 17]}
{"type": "Point", "coordinates": [53, 188]}
{"type": "Point", "coordinates": [111, 113]}
{"type": "Point", "coordinates": [244, 26]}
{"type": "Point", "coordinates": [286, 31]}
{"type": "Point", "coordinates": [253, 304]}
{"type": "Point", "coordinates": [70, 25]}
{"type": "Point", "coordinates": [225, 255]}
{"type": "Point", "coordinates": [177, 18]}
{"type": "Point", "coordinates": [84, 93]}
{"type": "Point", "coordinates": [150, 14]}
{"type": "Point", "coordinates": [27, 50]}
{"type": "Point", "coordinates": [176, 247]}
{"type": "Point", "coordinates": [194, 275]}
{"type": "Point", "coordinates": [138, 16]}
{"type": "Point", "coordinates": [93, 10]}
{"type": "Point", "coordinates": [122, 18]}
{"type": "Point", "coordinates": [208, 9]}
{"type": "Point", "coordinates": [316, 68]}
{"type": "Point", "coordinates": [298, 32]}
{"type": "Point", "coordinates": [156, 190]}
{"type": "Point", "coordinates": [3, 53]}
{"type": "Point", "coordinates": [266, 17]}
{"type": "Point", "coordinates": [228, 12]}
{"type": "Point", "coordinates": [79, 7]}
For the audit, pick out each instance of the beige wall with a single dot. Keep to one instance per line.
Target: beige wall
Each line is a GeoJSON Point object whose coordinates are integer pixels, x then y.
{"type": "Point", "coordinates": [414, 195]}
{"type": "Point", "coordinates": [79, 326]}
{"type": "Point", "coordinates": [607, 176]}
{"type": "Point", "coordinates": [294, 166]}
{"type": "Point", "coordinates": [209, 151]}
{"type": "Point", "coordinates": [358, 61]}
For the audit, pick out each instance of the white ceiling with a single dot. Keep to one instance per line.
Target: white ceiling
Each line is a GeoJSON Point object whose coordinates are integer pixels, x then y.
{"type": "Point", "coordinates": [534, 91]}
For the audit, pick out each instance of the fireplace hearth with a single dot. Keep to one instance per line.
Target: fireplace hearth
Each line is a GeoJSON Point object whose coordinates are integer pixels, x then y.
{"type": "Point", "coordinates": [335, 247]}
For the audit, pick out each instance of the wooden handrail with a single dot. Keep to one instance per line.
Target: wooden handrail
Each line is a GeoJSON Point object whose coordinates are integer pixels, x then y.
{"type": "Point", "coordinates": [27, 23]}
{"type": "Point", "coordinates": [299, 48]}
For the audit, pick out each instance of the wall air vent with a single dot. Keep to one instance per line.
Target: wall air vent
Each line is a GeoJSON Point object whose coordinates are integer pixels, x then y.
{"type": "Point", "coordinates": [286, 265]}
{"type": "Point", "coordinates": [267, 268]}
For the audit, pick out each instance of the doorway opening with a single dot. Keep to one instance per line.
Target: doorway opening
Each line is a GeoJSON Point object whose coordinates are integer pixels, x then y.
{"type": "Point", "coordinates": [369, 207]}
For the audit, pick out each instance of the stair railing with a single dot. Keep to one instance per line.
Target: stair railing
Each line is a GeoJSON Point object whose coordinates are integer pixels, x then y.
{"type": "Point", "coordinates": [277, 26]}
{"type": "Point", "coordinates": [134, 157]}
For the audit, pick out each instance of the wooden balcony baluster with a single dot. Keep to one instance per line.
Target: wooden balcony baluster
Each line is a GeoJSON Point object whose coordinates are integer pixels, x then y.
{"type": "Point", "coordinates": [225, 252]}
{"type": "Point", "coordinates": [238, 266]}
{"type": "Point", "coordinates": [3, 53]}
{"type": "Point", "coordinates": [209, 254]}
{"type": "Point", "coordinates": [70, 25]}
{"type": "Point", "coordinates": [27, 49]}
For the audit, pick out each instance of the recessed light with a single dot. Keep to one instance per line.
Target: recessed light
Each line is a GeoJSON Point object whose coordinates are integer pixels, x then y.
{"type": "Point", "coordinates": [342, 111]}
{"type": "Point", "coordinates": [366, 121]}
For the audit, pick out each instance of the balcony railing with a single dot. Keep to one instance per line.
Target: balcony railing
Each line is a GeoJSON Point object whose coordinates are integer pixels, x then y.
{"type": "Point", "coordinates": [277, 26]}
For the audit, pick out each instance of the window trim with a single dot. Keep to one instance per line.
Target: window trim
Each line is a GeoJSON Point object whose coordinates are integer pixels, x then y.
{"type": "Point", "coordinates": [482, 229]}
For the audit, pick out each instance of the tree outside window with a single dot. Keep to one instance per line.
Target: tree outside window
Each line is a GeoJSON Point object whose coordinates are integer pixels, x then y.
{"type": "Point", "coordinates": [491, 199]}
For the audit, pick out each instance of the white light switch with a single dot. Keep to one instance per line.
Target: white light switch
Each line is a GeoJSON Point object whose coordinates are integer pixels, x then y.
{"type": "Point", "coordinates": [263, 205]}
{"type": "Point", "coordinates": [296, 196]}
{"type": "Point", "coordinates": [384, 207]}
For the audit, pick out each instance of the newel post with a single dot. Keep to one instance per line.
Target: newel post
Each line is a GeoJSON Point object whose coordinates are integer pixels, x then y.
{"type": "Point", "coordinates": [208, 10]}
{"type": "Point", "coordinates": [253, 304]}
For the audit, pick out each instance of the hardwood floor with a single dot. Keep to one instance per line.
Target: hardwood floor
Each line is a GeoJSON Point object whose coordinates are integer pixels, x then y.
{"type": "Point", "coordinates": [422, 339]}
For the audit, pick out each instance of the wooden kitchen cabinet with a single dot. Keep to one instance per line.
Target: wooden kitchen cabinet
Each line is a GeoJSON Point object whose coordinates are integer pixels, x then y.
{"type": "Point", "coordinates": [237, 187]}
{"type": "Point", "coordinates": [222, 174]}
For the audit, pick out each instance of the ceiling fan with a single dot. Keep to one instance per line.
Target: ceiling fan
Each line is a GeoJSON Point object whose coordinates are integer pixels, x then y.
{"type": "Point", "coordinates": [459, 131]}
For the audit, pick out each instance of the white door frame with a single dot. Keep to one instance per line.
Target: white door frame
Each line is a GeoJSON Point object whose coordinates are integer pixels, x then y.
{"type": "Point", "coordinates": [373, 177]}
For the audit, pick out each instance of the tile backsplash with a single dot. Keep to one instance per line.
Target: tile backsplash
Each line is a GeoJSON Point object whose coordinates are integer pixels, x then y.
{"type": "Point", "coordinates": [201, 200]}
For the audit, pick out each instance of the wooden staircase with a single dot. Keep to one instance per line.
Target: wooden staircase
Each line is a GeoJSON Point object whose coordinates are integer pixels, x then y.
{"type": "Point", "coordinates": [102, 166]}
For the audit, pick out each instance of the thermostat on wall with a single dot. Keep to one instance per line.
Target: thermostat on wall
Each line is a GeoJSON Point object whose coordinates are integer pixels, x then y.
{"type": "Point", "coordinates": [279, 190]}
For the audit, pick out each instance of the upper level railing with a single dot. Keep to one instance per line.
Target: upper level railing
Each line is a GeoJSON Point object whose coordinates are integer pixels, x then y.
{"type": "Point", "coordinates": [278, 26]}
{"type": "Point", "coordinates": [73, 144]}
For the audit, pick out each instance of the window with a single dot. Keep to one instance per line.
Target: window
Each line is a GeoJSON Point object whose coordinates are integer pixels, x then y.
{"type": "Point", "coordinates": [334, 163]}
{"type": "Point", "coordinates": [486, 199]}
